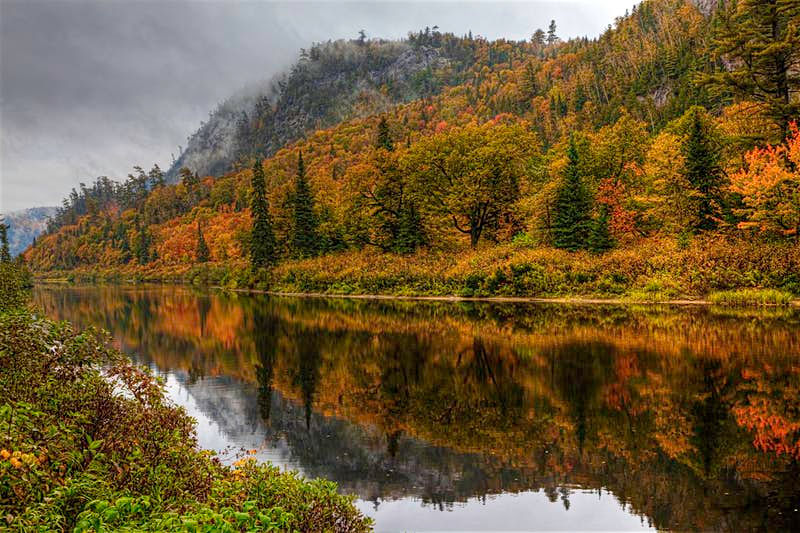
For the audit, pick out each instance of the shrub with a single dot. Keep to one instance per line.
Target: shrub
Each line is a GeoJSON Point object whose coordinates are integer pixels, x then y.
{"type": "Point", "coordinates": [92, 451]}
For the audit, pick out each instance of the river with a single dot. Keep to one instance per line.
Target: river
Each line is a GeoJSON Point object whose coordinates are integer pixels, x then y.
{"type": "Point", "coordinates": [485, 416]}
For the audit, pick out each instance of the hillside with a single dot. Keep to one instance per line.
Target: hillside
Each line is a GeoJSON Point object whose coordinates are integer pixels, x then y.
{"type": "Point", "coordinates": [332, 82]}
{"type": "Point", "coordinates": [25, 225]}
{"type": "Point", "coordinates": [633, 154]}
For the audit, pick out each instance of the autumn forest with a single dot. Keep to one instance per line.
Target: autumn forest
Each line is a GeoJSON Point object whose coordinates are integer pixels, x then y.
{"type": "Point", "coordinates": [641, 163]}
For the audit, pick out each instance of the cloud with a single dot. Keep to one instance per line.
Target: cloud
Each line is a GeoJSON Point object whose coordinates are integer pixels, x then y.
{"type": "Point", "coordinates": [91, 88]}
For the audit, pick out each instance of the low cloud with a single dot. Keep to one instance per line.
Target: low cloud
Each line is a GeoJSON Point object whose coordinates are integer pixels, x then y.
{"type": "Point", "coordinates": [93, 88]}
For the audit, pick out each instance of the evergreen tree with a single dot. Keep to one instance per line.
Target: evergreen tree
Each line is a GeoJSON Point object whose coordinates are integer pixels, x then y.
{"type": "Point", "coordinates": [410, 235]}
{"type": "Point", "coordinates": [703, 172]}
{"type": "Point", "coordinates": [142, 243]}
{"type": "Point", "coordinates": [571, 222]}
{"type": "Point", "coordinates": [203, 253]}
{"type": "Point", "coordinates": [384, 136]}
{"type": "Point", "coordinates": [759, 41]}
{"type": "Point", "coordinates": [600, 239]}
{"type": "Point", "coordinates": [552, 38]}
{"type": "Point", "coordinates": [304, 235]}
{"type": "Point", "coordinates": [263, 249]}
{"type": "Point", "coordinates": [5, 256]}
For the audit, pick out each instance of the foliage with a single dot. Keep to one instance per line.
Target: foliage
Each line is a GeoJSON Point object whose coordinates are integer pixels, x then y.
{"type": "Point", "coordinates": [758, 45]}
{"type": "Point", "coordinates": [97, 451]}
{"type": "Point", "coordinates": [263, 249]}
{"type": "Point", "coordinates": [751, 297]}
{"type": "Point", "coordinates": [5, 255]}
{"type": "Point", "coordinates": [476, 148]}
{"type": "Point", "coordinates": [571, 224]}
{"type": "Point", "coordinates": [703, 171]}
{"type": "Point", "coordinates": [770, 186]}
{"type": "Point", "coordinates": [600, 239]}
{"type": "Point", "coordinates": [14, 282]}
{"type": "Point", "coordinates": [470, 175]}
{"type": "Point", "coordinates": [202, 254]}
{"type": "Point", "coordinates": [304, 228]}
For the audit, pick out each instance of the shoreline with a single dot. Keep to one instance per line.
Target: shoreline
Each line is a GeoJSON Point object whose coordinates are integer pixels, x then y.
{"type": "Point", "coordinates": [565, 300]}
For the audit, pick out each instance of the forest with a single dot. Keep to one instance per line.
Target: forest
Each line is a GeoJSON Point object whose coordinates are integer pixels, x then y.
{"type": "Point", "coordinates": [659, 160]}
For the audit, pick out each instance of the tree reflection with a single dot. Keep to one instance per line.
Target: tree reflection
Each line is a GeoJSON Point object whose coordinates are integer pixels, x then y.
{"type": "Point", "coordinates": [689, 416]}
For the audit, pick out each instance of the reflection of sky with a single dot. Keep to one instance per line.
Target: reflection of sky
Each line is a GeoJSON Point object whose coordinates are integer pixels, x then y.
{"type": "Point", "coordinates": [210, 435]}
{"type": "Point", "coordinates": [526, 511]}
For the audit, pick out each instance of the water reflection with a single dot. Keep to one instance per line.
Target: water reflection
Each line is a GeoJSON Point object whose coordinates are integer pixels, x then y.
{"type": "Point", "coordinates": [614, 417]}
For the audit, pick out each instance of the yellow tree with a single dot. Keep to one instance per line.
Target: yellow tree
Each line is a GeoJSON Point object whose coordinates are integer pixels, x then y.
{"type": "Point", "coordinates": [470, 175]}
{"type": "Point", "coordinates": [674, 200]}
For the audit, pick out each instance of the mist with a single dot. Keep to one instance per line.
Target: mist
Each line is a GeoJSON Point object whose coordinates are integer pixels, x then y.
{"type": "Point", "coordinates": [92, 88]}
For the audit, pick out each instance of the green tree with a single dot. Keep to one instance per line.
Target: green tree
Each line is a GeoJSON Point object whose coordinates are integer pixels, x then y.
{"type": "Point", "coordinates": [571, 223]}
{"type": "Point", "coordinates": [600, 239]}
{"type": "Point", "coordinates": [142, 250]}
{"type": "Point", "coordinates": [759, 43]}
{"type": "Point", "coordinates": [5, 256]}
{"type": "Point", "coordinates": [263, 248]}
{"type": "Point", "coordinates": [410, 234]}
{"type": "Point", "coordinates": [552, 38]}
{"type": "Point", "coordinates": [470, 175]}
{"type": "Point", "coordinates": [203, 253]}
{"type": "Point", "coordinates": [304, 231]}
{"type": "Point", "coordinates": [703, 170]}
{"type": "Point", "coordinates": [384, 135]}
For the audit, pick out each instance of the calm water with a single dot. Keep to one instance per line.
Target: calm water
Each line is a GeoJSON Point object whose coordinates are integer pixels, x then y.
{"type": "Point", "coordinates": [453, 416]}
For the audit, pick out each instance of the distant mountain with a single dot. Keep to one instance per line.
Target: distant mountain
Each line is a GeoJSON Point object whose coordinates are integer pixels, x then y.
{"type": "Point", "coordinates": [332, 82]}
{"type": "Point", "coordinates": [26, 225]}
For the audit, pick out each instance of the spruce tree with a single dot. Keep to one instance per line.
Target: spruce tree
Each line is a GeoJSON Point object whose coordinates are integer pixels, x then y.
{"type": "Point", "coordinates": [552, 38]}
{"type": "Point", "coordinates": [263, 249]}
{"type": "Point", "coordinates": [410, 235]}
{"type": "Point", "coordinates": [203, 253]}
{"type": "Point", "coordinates": [142, 243]}
{"type": "Point", "coordinates": [759, 43]}
{"type": "Point", "coordinates": [600, 239]}
{"type": "Point", "coordinates": [304, 234]}
{"type": "Point", "coordinates": [5, 256]}
{"type": "Point", "coordinates": [703, 172]}
{"type": "Point", "coordinates": [384, 136]}
{"type": "Point", "coordinates": [571, 223]}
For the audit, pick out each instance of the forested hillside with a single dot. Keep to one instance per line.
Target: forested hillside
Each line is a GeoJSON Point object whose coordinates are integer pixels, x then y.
{"type": "Point", "coordinates": [646, 160]}
{"type": "Point", "coordinates": [331, 82]}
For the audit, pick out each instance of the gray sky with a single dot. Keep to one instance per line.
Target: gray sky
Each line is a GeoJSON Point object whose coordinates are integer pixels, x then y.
{"type": "Point", "coordinates": [91, 88]}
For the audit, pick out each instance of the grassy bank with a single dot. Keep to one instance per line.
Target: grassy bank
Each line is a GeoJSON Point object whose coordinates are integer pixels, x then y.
{"type": "Point", "coordinates": [654, 270]}
{"type": "Point", "coordinates": [85, 449]}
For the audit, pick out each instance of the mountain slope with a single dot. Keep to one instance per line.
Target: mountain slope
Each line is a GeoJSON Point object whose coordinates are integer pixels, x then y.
{"type": "Point", "coordinates": [25, 225]}
{"type": "Point", "coordinates": [331, 83]}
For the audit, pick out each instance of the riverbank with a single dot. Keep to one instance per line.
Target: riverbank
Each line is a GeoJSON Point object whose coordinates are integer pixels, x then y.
{"type": "Point", "coordinates": [730, 271]}
{"type": "Point", "coordinates": [90, 442]}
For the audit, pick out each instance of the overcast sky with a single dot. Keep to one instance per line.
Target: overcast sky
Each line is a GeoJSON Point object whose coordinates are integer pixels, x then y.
{"type": "Point", "coordinates": [91, 88]}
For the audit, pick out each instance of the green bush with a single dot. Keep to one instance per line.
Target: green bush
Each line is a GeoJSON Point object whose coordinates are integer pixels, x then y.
{"type": "Point", "coordinates": [89, 451]}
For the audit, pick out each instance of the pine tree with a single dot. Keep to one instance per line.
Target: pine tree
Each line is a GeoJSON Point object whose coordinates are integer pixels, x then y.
{"type": "Point", "coordinates": [142, 243]}
{"type": "Point", "coordinates": [703, 172]}
{"type": "Point", "coordinates": [5, 256]}
{"type": "Point", "coordinates": [304, 235]}
{"type": "Point", "coordinates": [203, 253]}
{"type": "Point", "coordinates": [759, 41]}
{"type": "Point", "coordinates": [263, 249]}
{"type": "Point", "coordinates": [571, 222]}
{"type": "Point", "coordinates": [384, 136]}
{"type": "Point", "coordinates": [410, 235]}
{"type": "Point", "coordinates": [552, 38]}
{"type": "Point", "coordinates": [600, 239]}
